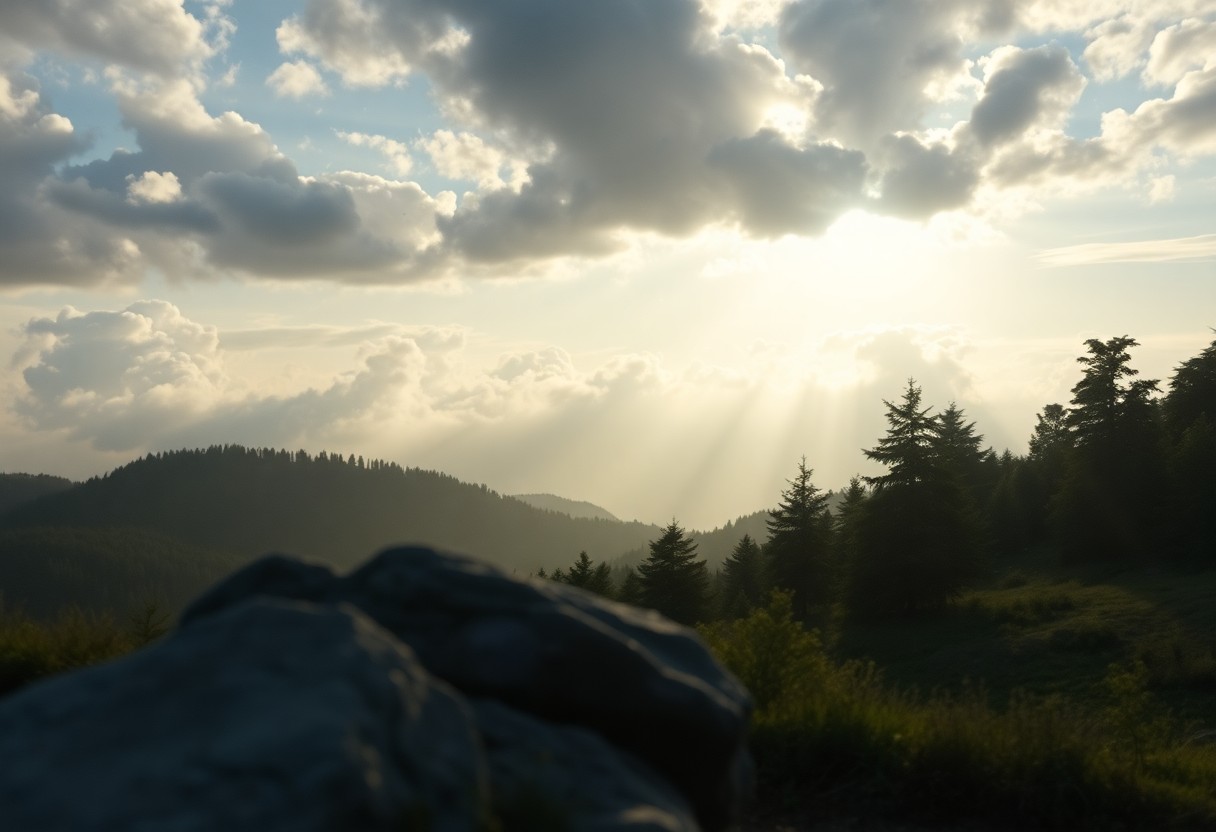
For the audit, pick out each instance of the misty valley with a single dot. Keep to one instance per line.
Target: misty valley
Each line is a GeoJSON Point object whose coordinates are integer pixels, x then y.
{"type": "Point", "coordinates": [969, 639]}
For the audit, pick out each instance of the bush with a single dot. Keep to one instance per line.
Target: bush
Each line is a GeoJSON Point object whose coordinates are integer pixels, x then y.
{"type": "Point", "coordinates": [834, 741]}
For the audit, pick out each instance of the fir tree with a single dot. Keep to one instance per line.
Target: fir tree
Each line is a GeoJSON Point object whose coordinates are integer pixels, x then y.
{"type": "Point", "coordinates": [742, 580]}
{"type": "Point", "coordinates": [918, 542]}
{"type": "Point", "coordinates": [798, 549]}
{"type": "Point", "coordinates": [589, 576]}
{"type": "Point", "coordinates": [1113, 481]}
{"type": "Point", "coordinates": [673, 580]}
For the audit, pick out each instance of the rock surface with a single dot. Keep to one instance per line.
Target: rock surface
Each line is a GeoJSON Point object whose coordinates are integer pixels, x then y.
{"type": "Point", "coordinates": [270, 716]}
{"type": "Point", "coordinates": [421, 691]}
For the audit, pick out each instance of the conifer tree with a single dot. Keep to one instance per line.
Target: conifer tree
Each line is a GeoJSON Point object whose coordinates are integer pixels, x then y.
{"type": "Point", "coordinates": [1192, 394]}
{"type": "Point", "coordinates": [742, 580]}
{"type": "Point", "coordinates": [917, 543]}
{"type": "Point", "coordinates": [798, 549]}
{"type": "Point", "coordinates": [589, 576]}
{"type": "Point", "coordinates": [846, 523]}
{"type": "Point", "coordinates": [961, 451]}
{"type": "Point", "coordinates": [1113, 481]}
{"type": "Point", "coordinates": [673, 580]}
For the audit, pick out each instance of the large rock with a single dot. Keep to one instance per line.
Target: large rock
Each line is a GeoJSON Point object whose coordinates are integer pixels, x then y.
{"type": "Point", "coordinates": [564, 777]}
{"type": "Point", "coordinates": [641, 682]}
{"type": "Point", "coordinates": [271, 716]}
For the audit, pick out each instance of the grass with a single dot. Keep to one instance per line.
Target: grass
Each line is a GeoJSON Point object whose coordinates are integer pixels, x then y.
{"type": "Point", "coordinates": [31, 650]}
{"type": "Point", "coordinates": [845, 740]}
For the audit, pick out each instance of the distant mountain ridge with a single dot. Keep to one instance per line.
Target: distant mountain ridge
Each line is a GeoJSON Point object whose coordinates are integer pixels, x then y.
{"type": "Point", "coordinates": [200, 513]}
{"type": "Point", "coordinates": [571, 508]}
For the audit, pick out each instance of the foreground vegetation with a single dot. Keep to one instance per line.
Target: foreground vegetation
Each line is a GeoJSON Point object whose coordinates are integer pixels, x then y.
{"type": "Point", "coordinates": [836, 740]}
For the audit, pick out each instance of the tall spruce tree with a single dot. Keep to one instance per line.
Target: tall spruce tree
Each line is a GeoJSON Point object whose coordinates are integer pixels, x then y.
{"type": "Point", "coordinates": [799, 543]}
{"type": "Point", "coordinates": [1110, 494]}
{"type": "Point", "coordinates": [742, 582]}
{"type": "Point", "coordinates": [961, 451]}
{"type": "Point", "coordinates": [917, 543]}
{"type": "Point", "coordinates": [673, 580]}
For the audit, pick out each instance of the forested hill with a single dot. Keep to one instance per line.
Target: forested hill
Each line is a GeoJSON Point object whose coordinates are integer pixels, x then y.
{"type": "Point", "coordinates": [16, 489]}
{"type": "Point", "coordinates": [340, 510]}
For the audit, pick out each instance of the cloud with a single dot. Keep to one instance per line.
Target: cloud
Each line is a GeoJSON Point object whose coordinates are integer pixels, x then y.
{"type": "Point", "coordinates": [398, 154]}
{"type": "Point", "coordinates": [1179, 49]}
{"type": "Point", "coordinates": [781, 189]}
{"type": "Point", "coordinates": [1184, 123]}
{"type": "Point", "coordinates": [118, 378]}
{"type": "Point", "coordinates": [202, 194]}
{"type": "Point", "coordinates": [876, 59]}
{"type": "Point", "coordinates": [629, 116]}
{"type": "Point", "coordinates": [919, 180]}
{"type": "Point", "coordinates": [296, 79]}
{"type": "Point", "coordinates": [1024, 89]}
{"type": "Point", "coordinates": [170, 41]}
{"type": "Point", "coordinates": [39, 243]}
{"type": "Point", "coordinates": [658, 439]}
{"type": "Point", "coordinates": [467, 156]}
{"type": "Point", "coordinates": [1199, 248]}
{"type": "Point", "coordinates": [151, 186]}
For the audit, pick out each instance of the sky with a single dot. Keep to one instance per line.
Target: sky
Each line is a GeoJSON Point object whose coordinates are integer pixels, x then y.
{"type": "Point", "coordinates": [646, 253]}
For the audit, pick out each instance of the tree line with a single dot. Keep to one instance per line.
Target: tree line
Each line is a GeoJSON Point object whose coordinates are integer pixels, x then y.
{"type": "Point", "coordinates": [1121, 473]}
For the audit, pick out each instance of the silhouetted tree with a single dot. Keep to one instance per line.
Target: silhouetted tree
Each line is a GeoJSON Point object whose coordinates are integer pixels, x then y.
{"type": "Point", "coordinates": [1190, 414]}
{"type": "Point", "coordinates": [918, 543]}
{"type": "Point", "coordinates": [674, 581]}
{"type": "Point", "coordinates": [961, 451]}
{"type": "Point", "coordinates": [1113, 480]}
{"type": "Point", "coordinates": [742, 580]}
{"type": "Point", "coordinates": [848, 518]}
{"type": "Point", "coordinates": [1192, 393]}
{"type": "Point", "coordinates": [798, 549]}
{"type": "Point", "coordinates": [589, 576]}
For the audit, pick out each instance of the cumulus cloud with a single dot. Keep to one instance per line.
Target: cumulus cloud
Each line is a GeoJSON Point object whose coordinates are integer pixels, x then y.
{"type": "Point", "coordinates": [397, 154]}
{"type": "Point", "coordinates": [297, 79]}
{"type": "Point", "coordinates": [40, 244]}
{"type": "Point", "coordinates": [116, 378]}
{"type": "Point", "coordinates": [578, 127]}
{"type": "Point", "coordinates": [1179, 49]}
{"type": "Point", "coordinates": [876, 59]}
{"type": "Point", "coordinates": [207, 192]}
{"type": "Point", "coordinates": [467, 156]}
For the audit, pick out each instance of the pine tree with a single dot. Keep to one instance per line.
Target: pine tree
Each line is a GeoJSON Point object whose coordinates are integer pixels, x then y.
{"type": "Point", "coordinates": [673, 580]}
{"type": "Point", "coordinates": [798, 549]}
{"type": "Point", "coordinates": [846, 522]}
{"type": "Point", "coordinates": [961, 451]}
{"type": "Point", "coordinates": [918, 543]}
{"type": "Point", "coordinates": [1110, 493]}
{"type": "Point", "coordinates": [908, 448]}
{"type": "Point", "coordinates": [589, 576]}
{"type": "Point", "coordinates": [742, 579]}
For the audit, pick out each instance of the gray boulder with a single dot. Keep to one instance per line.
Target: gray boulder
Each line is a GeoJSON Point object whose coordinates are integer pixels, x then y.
{"type": "Point", "coordinates": [564, 777]}
{"type": "Point", "coordinates": [639, 681]}
{"type": "Point", "coordinates": [272, 715]}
